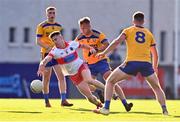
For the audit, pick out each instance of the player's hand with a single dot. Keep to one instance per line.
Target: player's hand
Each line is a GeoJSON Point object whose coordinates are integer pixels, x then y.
{"type": "Point", "coordinates": [41, 70]}
{"type": "Point", "coordinates": [100, 55]}
{"type": "Point", "coordinates": [92, 50]}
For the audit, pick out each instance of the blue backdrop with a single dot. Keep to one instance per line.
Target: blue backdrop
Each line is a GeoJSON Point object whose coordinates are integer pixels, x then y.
{"type": "Point", "coordinates": [28, 72]}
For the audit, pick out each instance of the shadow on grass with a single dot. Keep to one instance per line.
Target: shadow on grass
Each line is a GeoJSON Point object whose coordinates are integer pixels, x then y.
{"type": "Point", "coordinates": [89, 110]}
{"type": "Point", "coordinates": [147, 113]}
{"type": "Point", "coordinates": [138, 112]}
{"type": "Point", "coordinates": [80, 109]}
{"type": "Point", "coordinates": [29, 112]}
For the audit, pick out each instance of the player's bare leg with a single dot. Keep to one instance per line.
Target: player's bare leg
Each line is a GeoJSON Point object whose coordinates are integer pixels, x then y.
{"type": "Point", "coordinates": [92, 81]}
{"type": "Point", "coordinates": [97, 84]}
{"type": "Point", "coordinates": [99, 92]}
{"type": "Point", "coordinates": [160, 96]}
{"type": "Point", "coordinates": [88, 78]}
{"type": "Point", "coordinates": [92, 88]}
{"type": "Point", "coordinates": [61, 85]}
{"type": "Point", "coordinates": [116, 76]}
{"type": "Point", "coordinates": [46, 80]}
{"type": "Point", "coordinates": [84, 89]}
{"type": "Point", "coordinates": [115, 96]}
{"type": "Point", "coordinates": [117, 90]}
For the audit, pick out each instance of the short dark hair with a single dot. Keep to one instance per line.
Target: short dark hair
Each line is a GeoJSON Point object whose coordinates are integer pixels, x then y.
{"type": "Point", "coordinates": [85, 20]}
{"type": "Point", "coordinates": [50, 8]}
{"type": "Point", "coordinates": [54, 33]}
{"type": "Point", "coordinates": [138, 16]}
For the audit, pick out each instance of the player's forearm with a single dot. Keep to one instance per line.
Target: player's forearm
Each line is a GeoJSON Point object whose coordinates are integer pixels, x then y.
{"type": "Point", "coordinates": [45, 60]}
{"type": "Point", "coordinates": [103, 47]}
{"type": "Point", "coordinates": [85, 46]}
{"type": "Point", "coordinates": [111, 46]}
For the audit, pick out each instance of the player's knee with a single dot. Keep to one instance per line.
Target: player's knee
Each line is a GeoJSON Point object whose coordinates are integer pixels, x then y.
{"type": "Point", "coordinates": [156, 87]}
{"type": "Point", "coordinates": [111, 80]}
{"type": "Point", "coordinates": [89, 81]}
{"type": "Point", "coordinates": [92, 87]}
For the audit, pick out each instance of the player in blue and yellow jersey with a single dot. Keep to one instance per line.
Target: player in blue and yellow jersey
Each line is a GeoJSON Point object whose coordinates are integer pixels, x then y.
{"type": "Point", "coordinates": [42, 32]}
{"type": "Point", "coordinates": [140, 45]}
{"type": "Point", "coordinates": [96, 65]}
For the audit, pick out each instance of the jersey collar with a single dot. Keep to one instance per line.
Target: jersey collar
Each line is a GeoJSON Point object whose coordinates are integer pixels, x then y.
{"type": "Point", "coordinates": [139, 26]}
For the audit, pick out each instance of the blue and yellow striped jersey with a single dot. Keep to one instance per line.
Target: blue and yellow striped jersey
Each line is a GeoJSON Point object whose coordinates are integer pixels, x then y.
{"type": "Point", "coordinates": [43, 31]}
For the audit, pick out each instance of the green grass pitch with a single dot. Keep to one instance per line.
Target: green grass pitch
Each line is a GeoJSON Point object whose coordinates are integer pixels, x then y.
{"type": "Point", "coordinates": [21, 110]}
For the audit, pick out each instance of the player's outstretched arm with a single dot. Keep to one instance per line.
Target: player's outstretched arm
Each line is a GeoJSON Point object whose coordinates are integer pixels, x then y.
{"type": "Point", "coordinates": [155, 58]}
{"type": "Point", "coordinates": [91, 49]}
{"type": "Point", "coordinates": [104, 46]}
{"type": "Point", "coordinates": [112, 45]}
{"type": "Point", "coordinates": [42, 65]}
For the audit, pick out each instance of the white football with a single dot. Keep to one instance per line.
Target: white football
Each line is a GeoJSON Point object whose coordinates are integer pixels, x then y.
{"type": "Point", "coordinates": [36, 86]}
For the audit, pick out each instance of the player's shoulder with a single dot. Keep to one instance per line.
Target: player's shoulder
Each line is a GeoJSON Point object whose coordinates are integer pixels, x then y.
{"type": "Point", "coordinates": [71, 42]}
{"type": "Point", "coordinates": [147, 30]}
{"type": "Point", "coordinates": [129, 28]}
{"type": "Point", "coordinates": [74, 44]}
{"type": "Point", "coordinates": [54, 49]}
{"type": "Point", "coordinates": [42, 23]}
{"type": "Point", "coordinates": [80, 37]}
{"type": "Point", "coordinates": [96, 33]}
{"type": "Point", "coordinates": [45, 23]}
{"type": "Point", "coordinates": [57, 24]}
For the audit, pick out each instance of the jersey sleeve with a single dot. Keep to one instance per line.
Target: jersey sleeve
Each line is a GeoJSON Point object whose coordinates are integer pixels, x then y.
{"type": "Point", "coordinates": [103, 38]}
{"type": "Point", "coordinates": [52, 53]}
{"type": "Point", "coordinates": [125, 32]}
{"type": "Point", "coordinates": [61, 29]}
{"type": "Point", "coordinates": [39, 31]}
{"type": "Point", "coordinates": [153, 41]}
{"type": "Point", "coordinates": [76, 39]}
{"type": "Point", "coordinates": [75, 44]}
